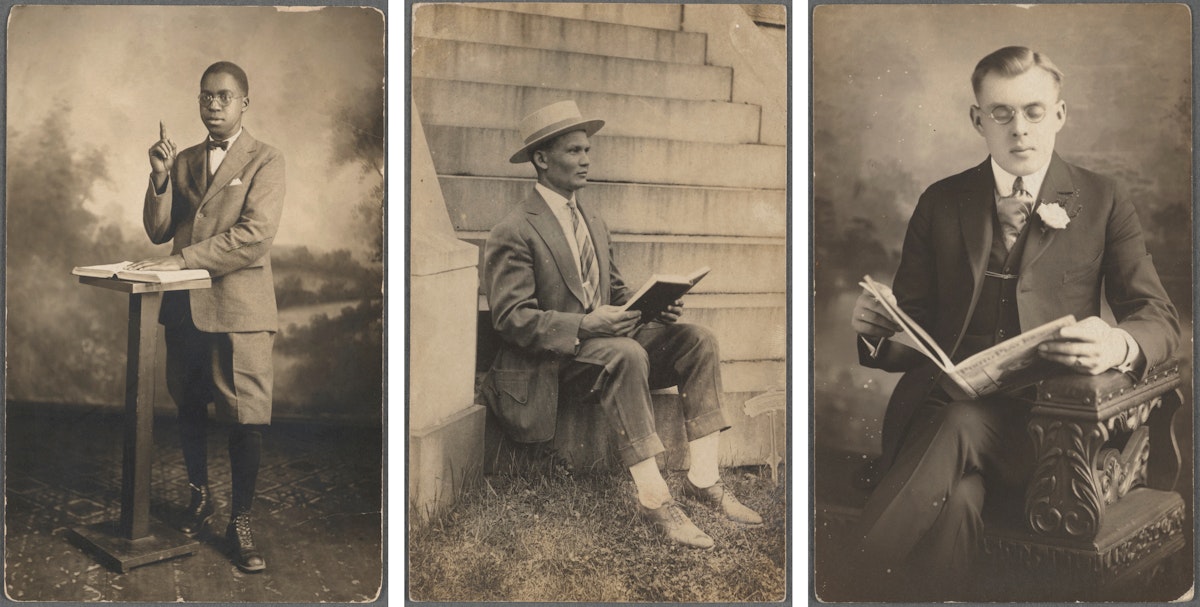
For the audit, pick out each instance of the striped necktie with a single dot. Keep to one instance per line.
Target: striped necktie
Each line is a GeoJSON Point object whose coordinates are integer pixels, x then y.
{"type": "Point", "coordinates": [587, 258]}
{"type": "Point", "coordinates": [1013, 211]}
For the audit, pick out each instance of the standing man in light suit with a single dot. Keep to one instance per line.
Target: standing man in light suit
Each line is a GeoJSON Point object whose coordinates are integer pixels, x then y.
{"type": "Point", "coordinates": [554, 290]}
{"type": "Point", "coordinates": [1019, 240]}
{"type": "Point", "coordinates": [219, 202]}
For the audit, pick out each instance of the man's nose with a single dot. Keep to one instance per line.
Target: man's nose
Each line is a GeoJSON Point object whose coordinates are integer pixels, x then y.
{"type": "Point", "coordinates": [1019, 125]}
{"type": "Point", "coordinates": [584, 160]}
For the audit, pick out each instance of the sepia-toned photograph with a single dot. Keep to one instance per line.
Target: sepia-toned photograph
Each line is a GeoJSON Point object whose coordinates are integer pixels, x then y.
{"type": "Point", "coordinates": [1002, 263]}
{"type": "Point", "coordinates": [598, 304]}
{"type": "Point", "coordinates": [194, 277]}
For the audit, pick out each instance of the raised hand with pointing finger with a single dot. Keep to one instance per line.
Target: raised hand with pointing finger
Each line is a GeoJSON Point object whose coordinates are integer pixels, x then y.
{"type": "Point", "coordinates": [162, 157]}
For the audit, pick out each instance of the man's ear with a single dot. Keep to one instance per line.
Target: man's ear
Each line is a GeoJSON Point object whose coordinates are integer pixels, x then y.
{"type": "Point", "coordinates": [1060, 113]}
{"type": "Point", "coordinates": [977, 118]}
{"type": "Point", "coordinates": [245, 103]}
{"type": "Point", "coordinates": [538, 157]}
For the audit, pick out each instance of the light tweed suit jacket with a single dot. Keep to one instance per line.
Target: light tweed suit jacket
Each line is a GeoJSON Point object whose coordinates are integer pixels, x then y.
{"type": "Point", "coordinates": [537, 302]}
{"type": "Point", "coordinates": [226, 228]}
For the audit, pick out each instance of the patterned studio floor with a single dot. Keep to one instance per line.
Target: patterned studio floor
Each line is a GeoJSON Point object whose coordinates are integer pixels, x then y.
{"type": "Point", "coordinates": [317, 514]}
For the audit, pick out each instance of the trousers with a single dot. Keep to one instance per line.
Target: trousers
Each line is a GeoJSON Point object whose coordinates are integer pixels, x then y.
{"type": "Point", "coordinates": [232, 370]}
{"type": "Point", "coordinates": [927, 511]}
{"type": "Point", "coordinates": [619, 372]}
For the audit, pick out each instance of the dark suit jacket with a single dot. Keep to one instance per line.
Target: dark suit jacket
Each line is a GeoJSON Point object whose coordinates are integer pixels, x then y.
{"type": "Point", "coordinates": [945, 254]}
{"type": "Point", "coordinates": [537, 302]}
{"type": "Point", "coordinates": [226, 228]}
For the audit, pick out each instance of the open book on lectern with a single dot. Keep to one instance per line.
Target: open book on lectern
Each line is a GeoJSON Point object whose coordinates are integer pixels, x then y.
{"type": "Point", "coordinates": [118, 270]}
{"type": "Point", "coordinates": [1001, 367]}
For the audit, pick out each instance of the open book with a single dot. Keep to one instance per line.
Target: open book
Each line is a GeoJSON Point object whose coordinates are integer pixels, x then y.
{"type": "Point", "coordinates": [117, 270]}
{"type": "Point", "coordinates": [1000, 367]}
{"type": "Point", "coordinates": [660, 291]}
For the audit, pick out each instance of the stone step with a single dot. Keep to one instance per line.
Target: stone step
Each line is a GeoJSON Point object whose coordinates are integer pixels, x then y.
{"type": "Point", "coordinates": [753, 375]}
{"type": "Point", "coordinates": [739, 265]}
{"type": "Point", "coordinates": [659, 16]}
{"type": "Point", "coordinates": [485, 153]}
{"type": "Point", "coordinates": [467, 23]}
{"type": "Point", "coordinates": [478, 203]}
{"type": "Point", "coordinates": [496, 64]}
{"type": "Point", "coordinates": [501, 106]}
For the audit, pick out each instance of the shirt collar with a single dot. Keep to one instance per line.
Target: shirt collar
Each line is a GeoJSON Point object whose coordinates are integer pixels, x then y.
{"type": "Point", "coordinates": [1004, 180]}
{"type": "Point", "coordinates": [554, 199]}
{"type": "Point", "coordinates": [231, 139]}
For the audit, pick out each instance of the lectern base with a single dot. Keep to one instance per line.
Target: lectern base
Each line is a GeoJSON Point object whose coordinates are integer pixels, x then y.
{"type": "Point", "coordinates": [105, 541]}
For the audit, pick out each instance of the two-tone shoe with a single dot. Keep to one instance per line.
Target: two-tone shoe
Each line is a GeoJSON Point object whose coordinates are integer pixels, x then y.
{"type": "Point", "coordinates": [721, 500]}
{"type": "Point", "coordinates": [670, 521]}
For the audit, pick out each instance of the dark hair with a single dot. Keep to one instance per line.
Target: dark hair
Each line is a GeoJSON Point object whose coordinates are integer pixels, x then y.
{"type": "Point", "coordinates": [1013, 61]}
{"type": "Point", "coordinates": [226, 67]}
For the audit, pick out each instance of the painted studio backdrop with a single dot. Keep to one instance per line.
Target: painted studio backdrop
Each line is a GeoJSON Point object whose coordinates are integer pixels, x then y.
{"type": "Point", "coordinates": [87, 87]}
{"type": "Point", "coordinates": [891, 91]}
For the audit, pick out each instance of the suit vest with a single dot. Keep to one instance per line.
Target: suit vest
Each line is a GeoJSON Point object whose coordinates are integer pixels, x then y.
{"type": "Point", "coordinates": [995, 318]}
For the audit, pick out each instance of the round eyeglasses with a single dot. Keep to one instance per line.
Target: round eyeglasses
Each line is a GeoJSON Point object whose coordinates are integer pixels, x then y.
{"type": "Point", "coordinates": [224, 98]}
{"type": "Point", "coordinates": [1004, 114]}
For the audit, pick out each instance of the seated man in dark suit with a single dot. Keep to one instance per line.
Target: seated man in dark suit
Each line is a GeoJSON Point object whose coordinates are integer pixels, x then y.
{"type": "Point", "coordinates": [555, 295]}
{"type": "Point", "coordinates": [1003, 247]}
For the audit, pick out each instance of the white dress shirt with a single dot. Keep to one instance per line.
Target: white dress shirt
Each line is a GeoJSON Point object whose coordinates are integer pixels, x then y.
{"type": "Point", "coordinates": [215, 156]}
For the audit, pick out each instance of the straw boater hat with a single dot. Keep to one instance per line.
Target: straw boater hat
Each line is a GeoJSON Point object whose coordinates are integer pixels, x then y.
{"type": "Point", "coordinates": [549, 122]}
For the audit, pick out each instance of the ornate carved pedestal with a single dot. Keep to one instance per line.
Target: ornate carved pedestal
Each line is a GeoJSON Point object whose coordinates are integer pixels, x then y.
{"type": "Point", "coordinates": [1100, 513]}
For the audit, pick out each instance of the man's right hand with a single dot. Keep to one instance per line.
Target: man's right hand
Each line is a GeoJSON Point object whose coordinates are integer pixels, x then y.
{"type": "Point", "coordinates": [871, 319]}
{"type": "Point", "coordinates": [162, 157]}
{"type": "Point", "coordinates": [608, 321]}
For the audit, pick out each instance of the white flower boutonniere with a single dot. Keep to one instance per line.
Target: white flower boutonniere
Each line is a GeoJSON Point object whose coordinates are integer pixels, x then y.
{"type": "Point", "coordinates": [1053, 216]}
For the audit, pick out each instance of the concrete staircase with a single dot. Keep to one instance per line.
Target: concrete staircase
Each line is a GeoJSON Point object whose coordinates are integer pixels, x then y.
{"type": "Point", "coordinates": [680, 171]}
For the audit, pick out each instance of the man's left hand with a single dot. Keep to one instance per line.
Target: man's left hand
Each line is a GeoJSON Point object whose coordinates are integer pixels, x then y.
{"type": "Point", "coordinates": [171, 262]}
{"type": "Point", "coordinates": [1089, 346]}
{"type": "Point", "coordinates": [672, 313]}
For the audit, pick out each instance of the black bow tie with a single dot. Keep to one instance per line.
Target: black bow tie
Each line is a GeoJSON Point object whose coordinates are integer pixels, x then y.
{"type": "Point", "coordinates": [212, 145]}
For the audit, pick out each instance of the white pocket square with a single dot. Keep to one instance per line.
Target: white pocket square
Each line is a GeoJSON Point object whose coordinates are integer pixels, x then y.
{"type": "Point", "coordinates": [235, 181]}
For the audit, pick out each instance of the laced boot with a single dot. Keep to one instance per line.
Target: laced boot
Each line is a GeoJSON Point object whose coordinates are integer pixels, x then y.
{"type": "Point", "coordinates": [245, 554]}
{"type": "Point", "coordinates": [199, 511]}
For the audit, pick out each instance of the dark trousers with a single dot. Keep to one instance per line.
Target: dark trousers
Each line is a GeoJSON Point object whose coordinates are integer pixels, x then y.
{"type": "Point", "coordinates": [926, 513]}
{"type": "Point", "coordinates": [621, 371]}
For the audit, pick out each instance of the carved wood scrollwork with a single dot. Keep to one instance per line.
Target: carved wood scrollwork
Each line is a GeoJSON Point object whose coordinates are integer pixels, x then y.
{"type": "Point", "coordinates": [1120, 471]}
{"type": "Point", "coordinates": [1149, 542]}
{"type": "Point", "coordinates": [1063, 498]}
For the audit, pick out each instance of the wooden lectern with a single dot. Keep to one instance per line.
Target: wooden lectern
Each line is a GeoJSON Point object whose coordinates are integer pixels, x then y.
{"type": "Point", "coordinates": [136, 539]}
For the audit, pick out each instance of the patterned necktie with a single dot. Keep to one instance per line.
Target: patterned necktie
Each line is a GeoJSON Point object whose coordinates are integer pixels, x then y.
{"type": "Point", "coordinates": [1013, 211]}
{"type": "Point", "coordinates": [587, 258]}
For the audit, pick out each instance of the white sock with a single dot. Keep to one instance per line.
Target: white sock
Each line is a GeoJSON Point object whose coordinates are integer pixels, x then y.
{"type": "Point", "coordinates": [652, 489]}
{"type": "Point", "coordinates": [703, 453]}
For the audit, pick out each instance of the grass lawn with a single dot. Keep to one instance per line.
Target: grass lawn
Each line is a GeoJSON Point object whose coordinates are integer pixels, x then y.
{"type": "Point", "coordinates": [538, 536]}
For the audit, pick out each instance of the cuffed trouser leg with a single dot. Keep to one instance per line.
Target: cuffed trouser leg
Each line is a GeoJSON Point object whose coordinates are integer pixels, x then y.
{"type": "Point", "coordinates": [924, 488]}
{"type": "Point", "coordinates": [687, 356]}
{"type": "Point", "coordinates": [617, 369]}
{"type": "Point", "coordinates": [623, 370]}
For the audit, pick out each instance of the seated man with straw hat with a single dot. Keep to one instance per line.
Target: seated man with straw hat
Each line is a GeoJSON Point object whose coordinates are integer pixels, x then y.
{"type": "Point", "coordinates": [555, 295]}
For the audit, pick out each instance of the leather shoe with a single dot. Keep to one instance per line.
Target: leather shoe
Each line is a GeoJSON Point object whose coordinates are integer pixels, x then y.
{"type": "Point", "coordinates": [674, 525]}
{"type": "Point", "coordinates": [718, 498]}
{"type": "Point", "coordinates": [199, 512]}
{"type": "Point", "coordinates": [245, 554]}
